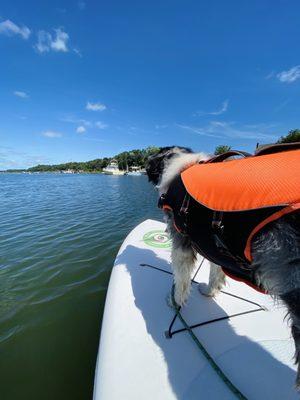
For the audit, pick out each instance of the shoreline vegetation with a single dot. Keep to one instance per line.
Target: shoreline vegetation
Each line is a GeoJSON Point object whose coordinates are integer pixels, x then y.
{"type": "Point", "coordinates": [126, 159]}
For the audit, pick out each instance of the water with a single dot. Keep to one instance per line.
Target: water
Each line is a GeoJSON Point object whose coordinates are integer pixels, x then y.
{"type": "Point", "coordinates": [59, 237]}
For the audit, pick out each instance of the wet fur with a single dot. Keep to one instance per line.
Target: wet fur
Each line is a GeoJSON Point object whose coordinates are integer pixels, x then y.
{"type": "Point", "coordinates": [275, 250]}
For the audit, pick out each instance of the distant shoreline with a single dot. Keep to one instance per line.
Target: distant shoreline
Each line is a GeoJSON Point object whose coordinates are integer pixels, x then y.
{"type": "Point", "coordinates": [50, 172]}
{"type": "Point", "coordinates": [124, 160]}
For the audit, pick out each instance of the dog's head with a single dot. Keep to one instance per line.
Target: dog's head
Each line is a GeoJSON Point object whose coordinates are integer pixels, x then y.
{"type": "Point", "coordinates": [157, 162]}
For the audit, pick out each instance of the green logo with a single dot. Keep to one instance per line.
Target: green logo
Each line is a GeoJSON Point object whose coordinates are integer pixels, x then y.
{"type": "Point", "coordinates": [158, 239]}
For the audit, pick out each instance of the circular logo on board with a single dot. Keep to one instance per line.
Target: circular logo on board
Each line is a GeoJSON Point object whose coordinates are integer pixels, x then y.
{"type": "Point", "coordinates": [157, 238]}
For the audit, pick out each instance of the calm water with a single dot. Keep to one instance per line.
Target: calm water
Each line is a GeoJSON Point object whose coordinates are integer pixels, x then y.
{"type": "Point", "coordinates": [59, 237]}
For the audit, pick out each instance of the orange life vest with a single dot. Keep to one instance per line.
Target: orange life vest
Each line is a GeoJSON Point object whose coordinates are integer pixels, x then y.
{"type": "Point", "coordinates": [223, 205]}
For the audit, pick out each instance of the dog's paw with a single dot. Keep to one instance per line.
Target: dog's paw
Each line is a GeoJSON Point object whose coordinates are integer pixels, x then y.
{"type": "Point", "coordinates": [170, 302]}
{"type": "Point", "coordinates": [206, 290]}
{"type": "Point", "coordinates": [181, 298]}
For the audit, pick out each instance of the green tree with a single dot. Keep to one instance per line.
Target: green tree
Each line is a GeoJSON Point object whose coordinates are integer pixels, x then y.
{"type": "Point", "coordinates": [126, 158]}
{"type": "Point", "coordinates": [149, 151]}
{"type": "Point", "coordinates": [292, 136]}
{"type": "Point", "coordinates": [222, 148]}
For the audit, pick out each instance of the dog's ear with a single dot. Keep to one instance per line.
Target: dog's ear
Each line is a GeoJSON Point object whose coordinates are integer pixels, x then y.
{"type": "Point", "coordinates": [155, 166]}
{"type": "Point", "coordinates": [156, 163]}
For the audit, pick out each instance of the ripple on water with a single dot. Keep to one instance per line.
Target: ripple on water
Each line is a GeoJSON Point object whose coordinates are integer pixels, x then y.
{"type": "Point", "coordinates": [59, 237]}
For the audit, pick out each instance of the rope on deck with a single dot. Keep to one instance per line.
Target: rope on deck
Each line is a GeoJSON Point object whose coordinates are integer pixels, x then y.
{"type": "Point", "coordinates": [211, 361]}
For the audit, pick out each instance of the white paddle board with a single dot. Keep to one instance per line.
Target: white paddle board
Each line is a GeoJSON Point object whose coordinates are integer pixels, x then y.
{"type": "Point", "coordinates": [136, 360]}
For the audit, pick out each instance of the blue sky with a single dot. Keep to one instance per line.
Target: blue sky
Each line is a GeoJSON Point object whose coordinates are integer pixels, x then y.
{"type": "Point", "coordinates": [87, 79]}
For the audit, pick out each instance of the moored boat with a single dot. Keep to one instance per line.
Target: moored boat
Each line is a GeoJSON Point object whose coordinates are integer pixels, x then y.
{"type": "Point", "coordinates": [113, 169]}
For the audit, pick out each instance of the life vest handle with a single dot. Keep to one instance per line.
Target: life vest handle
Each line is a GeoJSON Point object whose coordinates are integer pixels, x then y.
{"type": "Point", "coordinates": [230, 153]}
{"type": "Point", "coordinates": [276, 148]}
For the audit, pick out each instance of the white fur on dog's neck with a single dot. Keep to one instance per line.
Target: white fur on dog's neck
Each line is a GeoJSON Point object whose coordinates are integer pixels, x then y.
{"type": "Point", "coordinates": [176, 165]}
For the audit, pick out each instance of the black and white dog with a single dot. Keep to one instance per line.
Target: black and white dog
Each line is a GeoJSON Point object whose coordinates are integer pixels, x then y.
{"type": "Point", "coordinates": [275, 251]}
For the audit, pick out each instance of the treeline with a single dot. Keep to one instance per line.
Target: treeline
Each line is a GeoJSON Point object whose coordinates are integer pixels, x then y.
{"type": "Point", "coordinates": [124, 160]}
{"type": "Point", "coordinates": [132, 158]}
{"type": "Point", "coordinates": [291, 137]}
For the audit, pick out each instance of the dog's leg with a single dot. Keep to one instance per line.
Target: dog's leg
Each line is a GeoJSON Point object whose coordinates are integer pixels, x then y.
{"type": "Point", "coordinates": [216, 281]}
{"type": "Point", "coordinates": [183, 262]}
{"type": "Point", "coordinates": [292, 301]}
{"type": "Point", "coordinates": [276, 259]}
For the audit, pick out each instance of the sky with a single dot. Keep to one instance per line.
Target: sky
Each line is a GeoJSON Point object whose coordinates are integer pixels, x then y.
{"type": "Point", "coordinates": [87, 79]}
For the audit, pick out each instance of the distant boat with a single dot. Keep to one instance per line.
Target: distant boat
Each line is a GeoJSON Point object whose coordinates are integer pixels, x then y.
{"type": "Point", "coordinates": [134, 171]}
{"type": "Point", "coordinates": [113, 169]}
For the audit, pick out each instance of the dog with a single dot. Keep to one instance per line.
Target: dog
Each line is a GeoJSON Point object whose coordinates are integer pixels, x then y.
{"type": "Point", "coordinates": [275, 249]}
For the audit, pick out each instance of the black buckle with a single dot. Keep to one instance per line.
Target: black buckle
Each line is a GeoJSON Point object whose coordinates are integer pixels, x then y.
{"type": "Point", "coordinates": [217, 222]}
{"type": "Point", "coordinates": [161, 201]}
{"type": "Point", "coordinates": [184, 212]}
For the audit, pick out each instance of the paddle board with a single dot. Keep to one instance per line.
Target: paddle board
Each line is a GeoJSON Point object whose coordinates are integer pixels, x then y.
{"type": "Point", "coordinates": [138, 361]}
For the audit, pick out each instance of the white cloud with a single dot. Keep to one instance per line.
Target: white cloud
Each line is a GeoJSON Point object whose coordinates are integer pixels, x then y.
{"type": "Point", "coordinates": [282, 105]}
{"type": "Point", "coordinates": [9, 28]}
{"type": "Point", "coordinates": [289, 76]}
{"type": "Point", "coordinates": [78, 121]}
{"type": "Point", "coordinates": [78, 52]}
{"type": "Point", "coordinates": [43, 43]}
{"type": "Point", "coordinates": [11, 158]}
{"type": "Point", "coordinates": [101, 125]}
{"type": "Point", "coordinates": [270, 75]}
{"type": "Point", "coordinates": [95, 106]}
{"type": "Point", "coordinates": [80, 129]}
{"type": "Point", "coordinates": [223, 108]}
{"type": "Point", "coordinates": [60, 41]}
{"type": "Point", "coordinates": [47, 42]}
{"type": "Point", "coordinates": [52, 134]}
{"type": "Point", "coordinates": [83, 123]}
{"type": "Point", "coordinates": [81, 5]}
{"type": "Point", "coordinates": [233, 131]}
{"type": "Point", "coordinates": [219, 111]}
{"type": "Point", "coordinates": [23, 95]}
{"type": "Point", "coordinates": [203, 131]}
{"type": "Point", "coordinates": [161, 126]}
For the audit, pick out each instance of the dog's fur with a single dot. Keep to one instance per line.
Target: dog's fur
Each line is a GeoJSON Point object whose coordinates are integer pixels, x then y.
{"type": "Point", "coordinates": [275, 250]}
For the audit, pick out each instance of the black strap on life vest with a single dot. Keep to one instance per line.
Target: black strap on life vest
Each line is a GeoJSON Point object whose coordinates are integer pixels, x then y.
{"type": "Point", "coordinates": [228, 154]}
{"type": "Point", "coordinates": [217, 220]}
{"type": "Point", "coordinates": [276, 148]}
{"type": "Point", "coordinates": [208, 238]}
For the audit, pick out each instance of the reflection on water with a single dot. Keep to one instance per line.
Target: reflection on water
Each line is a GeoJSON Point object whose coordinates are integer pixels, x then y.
{"type": "Point", "coordinates": [59, 237]}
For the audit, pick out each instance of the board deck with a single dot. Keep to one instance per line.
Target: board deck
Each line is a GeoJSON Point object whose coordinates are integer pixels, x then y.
{"type": "Point", "coordinates": [136, 361]}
